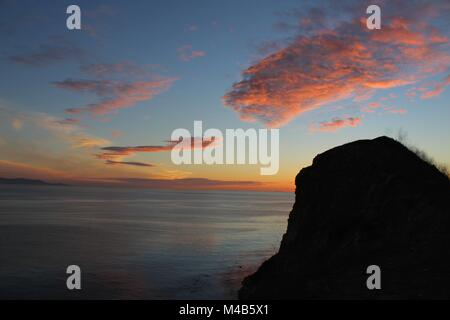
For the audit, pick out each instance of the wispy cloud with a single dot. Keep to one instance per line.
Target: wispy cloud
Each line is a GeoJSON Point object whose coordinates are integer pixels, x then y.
{"type": "Point", "coordinates": [119, 152]}
{"type": "Point", "coordinates": [14, 169]}
{"type": "Point", "coordinates": [437, 89]}
{"type": "Point", "coordinates": [124, 68]}
{"type": "Point", "coordinates": [68, 121]}
{"type": "Point", "coordinates": [56, 50]}
{"type": "Point", "coordinates": [395, 110]}
{"type": "Point", "coordinates": [371, 107]}
{"type": "Point", "coordinates": [88, 142]}
{"type": "Point", "coordinates": [129, 163]}
{"type": "Point", "coordinates": [67, 129]}
{"type": "Point", "coordinates": [186, 53]}
{"type": "Point", "coordinates": [329, 60]}
{"type": "Point", "coordinates": [336, 124]}
{"type": "Point", "coordinates": [115, 95]}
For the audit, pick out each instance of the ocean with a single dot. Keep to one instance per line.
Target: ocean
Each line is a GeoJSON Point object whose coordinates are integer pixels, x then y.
{"type": "Point", "coordinates": [134, 243]}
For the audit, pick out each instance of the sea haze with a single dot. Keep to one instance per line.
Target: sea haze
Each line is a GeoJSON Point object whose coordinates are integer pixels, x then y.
{"type": "Point", "coordinates": [136, 244]}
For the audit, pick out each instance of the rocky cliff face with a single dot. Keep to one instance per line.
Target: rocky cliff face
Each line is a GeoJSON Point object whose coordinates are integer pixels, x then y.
{"type": "Point", "coordinates": [369, 202]}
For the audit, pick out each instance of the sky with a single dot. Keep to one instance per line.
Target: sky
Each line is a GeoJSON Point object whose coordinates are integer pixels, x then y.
{"type": "Point", "coordinates": [75, 104]}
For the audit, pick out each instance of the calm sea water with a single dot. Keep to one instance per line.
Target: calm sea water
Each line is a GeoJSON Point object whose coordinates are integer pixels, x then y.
{"type": "Point", "coordinates": [135, 244]}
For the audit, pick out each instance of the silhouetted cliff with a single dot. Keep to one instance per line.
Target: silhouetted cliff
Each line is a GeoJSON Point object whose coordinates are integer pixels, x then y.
{"type": "Point", "coordinates": [369, 202]}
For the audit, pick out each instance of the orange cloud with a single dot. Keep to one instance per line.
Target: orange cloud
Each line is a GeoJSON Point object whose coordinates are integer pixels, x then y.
{"type": "Point", "coordinates": [327, 64]}
{"type": "Point", "coordinates": [121, 152]}
{"type": "Point", "coordinates": [399, 32]}
{"type": "Point", "coordinates": [386, 84]}
{"type": "Point", "coordinates": [88, 142]}
{"type": "Point", "coordinates": [336, 124]}
{"type": "Point", "coordinates": [370, 107]}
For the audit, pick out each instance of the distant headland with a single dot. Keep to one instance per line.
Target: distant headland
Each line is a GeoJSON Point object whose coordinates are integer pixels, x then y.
{"type": "Point", "coordinates": [28, 182]}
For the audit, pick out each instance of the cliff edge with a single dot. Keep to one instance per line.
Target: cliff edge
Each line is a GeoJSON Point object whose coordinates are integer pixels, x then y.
{"type": "Point", "coordinates": [369, 202]}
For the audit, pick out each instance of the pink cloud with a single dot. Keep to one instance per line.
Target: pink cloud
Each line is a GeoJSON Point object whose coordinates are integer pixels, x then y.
{"type": "Point", "coordinates": [398, 111]}
{"type": "Point", "coordinates": [395, 110]}
{"type": "Point", "coordinates": [333, 62]}
{"type": "Point", "coordinates": [371, 106]}
{"type": "Point", "coordinates": [437, 89]}
{"type": "Point", "coordinates": [336, 124]}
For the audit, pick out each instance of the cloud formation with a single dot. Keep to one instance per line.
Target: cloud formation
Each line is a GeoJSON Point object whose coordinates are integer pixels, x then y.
{"type": "Point", "coordinates": [128, 163]}
{"type": "Point", "coordinates": [68, 121]}
{"type": "Point", "coordinates": [67, 130]}
{"type": "Point", "coordinates": [437, 89]}
{"type": "Point", "coordinates": [330, 60]}
{"type": "Point", "coordinates": [124, 68]}
{"type": "Point", "coordinates": [88, 142]}
{"type": "Point", "coordinates": [371, 107]}
{"type": "Point", "coordinates": [14, 169]}
{"type": "Point", "coordinates": [55, 51]}
{"type": "Point", "coordinates": [119, 152]}
{"type": "Point", "coordinates": [115, 95]}
{"type": "Point", "coordinates": [336, 124]}
{"type": "Point", "coordinates": [395, 110]}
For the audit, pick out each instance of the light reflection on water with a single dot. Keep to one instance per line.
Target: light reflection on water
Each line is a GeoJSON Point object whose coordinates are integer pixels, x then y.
{"type": "Point", "coordinates": [136, 244]}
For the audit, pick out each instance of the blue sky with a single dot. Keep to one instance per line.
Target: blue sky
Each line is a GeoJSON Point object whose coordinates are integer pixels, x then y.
{"type": "Point", "coordinates": [202, 48]}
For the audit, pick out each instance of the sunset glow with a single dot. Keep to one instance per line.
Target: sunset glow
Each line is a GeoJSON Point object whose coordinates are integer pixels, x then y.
{"type": "Point", "coordinates": [97, 106]}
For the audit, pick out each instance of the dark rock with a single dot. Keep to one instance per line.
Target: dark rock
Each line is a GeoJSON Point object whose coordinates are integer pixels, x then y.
{"type": "Point", "coordinates": [369, 202]}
